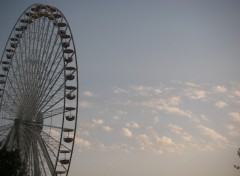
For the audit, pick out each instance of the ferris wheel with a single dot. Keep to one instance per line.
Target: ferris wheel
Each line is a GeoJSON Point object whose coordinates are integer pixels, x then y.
{"type": "Point", "coordinates": [39, 91]}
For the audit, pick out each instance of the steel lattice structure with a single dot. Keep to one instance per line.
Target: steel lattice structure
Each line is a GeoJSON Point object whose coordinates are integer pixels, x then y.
{"type": "Point", "coordinates": [39, 91]}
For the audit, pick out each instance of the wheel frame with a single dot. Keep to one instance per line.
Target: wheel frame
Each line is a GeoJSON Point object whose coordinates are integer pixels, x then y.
{"type": "Point", "coordinates": [54, 13]}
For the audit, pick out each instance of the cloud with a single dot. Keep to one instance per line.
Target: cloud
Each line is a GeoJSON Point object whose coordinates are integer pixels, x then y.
{"type": "Point", "coordinates": [119, 91]}
{"type": "Point", "coordinates": [84, 104]}
{"type": "Point", "coordinates": [154, 102]}
{"type": "Point", "coordinates": [195, 93]}
{"type": "Point", "coordinates": [107, 128]}
{"type": "Point", "coordinates": [143, 138]}
{"type": "Point", "coordinates": [220, 104]}
{"type": "Point", "coordinates": [168, 105]}
{"type": "Point", "coordinates": [98, 121]}
{"type": "Point", "coordinates": [165, 140]}
{"type": "Point", "coordinates": [179, 131]}
{"type": "Point", "coordinates": [237, 93]}
{"type": "Point", "coordinates": [235, 116]}
{"type": "Point", "coordinates": [233, 131]}
{"type": "Point", "coordinates": [212, 133]}
{"type": "Point", "coordinates": [176, 110]}
{"type": "Point", "coordinates": [158, 91]}
{"type": "Point", "coordinates": [55, 134]}
{"type": "Point", "coordinates": [126, 132]}
{"type": "Point", "coordinates": [145, 143]}
{"type": "Point", "coordinates": [132, 125]}
{"type": "Point", "coordinates": [192, 84]}
{"type": "Point", "coordinates": [219, 89]}
{"type": "Point", "coordinates": [122, 112]}
{"type": "Point", "coordinates": [88, 94]}
{"type": "Point", "coordinates": [168, 145]}
{"type": "Point", "coordinates": [142, 90]}
{"type": "Point", "coordinates": [116, 117]}
{"type": "Point", "coordinates": [83, 143]}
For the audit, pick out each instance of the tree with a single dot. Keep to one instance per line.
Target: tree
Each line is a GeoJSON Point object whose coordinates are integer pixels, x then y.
{"type": "Point", "coordinates": [238, 153]}
{"type": "Point", "coordinates": [10, 163]}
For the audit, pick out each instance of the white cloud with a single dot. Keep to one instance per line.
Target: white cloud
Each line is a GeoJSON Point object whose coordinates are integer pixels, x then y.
{"type": "Point", "coordinates": [145, 143]}
{"type": "Point", "coordinates": [55, 134]}
{"type": "Point", "coordinates": [192, 84]}
{"type": "Point", "coordinates": [235, 116]}
{"type": "Point", "coordinates": [144, 139]}
{"type": "Point", "coordinates": [98, 121]}
{"type": "Point", "coordinates": [174, 101]}
{"type": "Point", "coordinates": [116, 117]}
{"type": "Point", "coordinates": [107, 128]}
{"type": "Point", "coordinates": [126, 132]}
{"type": "Point", "coordinates": [237, 93]}
{"type": "Point", "coordinates": [220, 104]}
{"type": "Point", "coordinates": [233, 130]}
{"type": "Point", "coordinates": [88, 94]}
{"type": "Point", "coordinates": [83, 143]}
{"type": "Point", "coordinates": [158, 91]}
{"type": "Point", "coordinates": [154, 102]}
{"type": "Point", "coordinates": [122, 112]}
{"type": "Point", "coordinates": [176, 110]}
{"type": "Point", "coordinates": [168, 105]}
{"type": "Point", "coordinates": [119, 90]}
{"type": "Point", "coordinates": [84, 104]}
{"type": "Point", "coordinates": [219, 89]}
{"type": "Point", "coordinates": [165, 140]}
{"type": "Point", "coordinates": [195, 93]}
{"type": "Point", "coordinates": [178, 130]}
{"type": "Point", "coordinates": [212, 133]}
{"type": "Point", "coordinates": [142, 90]}
{"type": "Point", "coordinates": [132, 125]}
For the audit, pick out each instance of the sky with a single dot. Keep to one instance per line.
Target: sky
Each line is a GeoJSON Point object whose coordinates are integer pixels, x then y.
{"type": "Point", "coordinates": [159, 84]}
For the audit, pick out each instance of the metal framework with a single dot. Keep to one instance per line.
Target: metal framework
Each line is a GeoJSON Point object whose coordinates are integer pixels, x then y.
{"type": "Point", "coordinates": [39, 91]}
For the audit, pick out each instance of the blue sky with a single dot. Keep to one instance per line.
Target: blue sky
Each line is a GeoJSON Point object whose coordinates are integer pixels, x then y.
{"type": "Point", "coordinates": [159, 85]}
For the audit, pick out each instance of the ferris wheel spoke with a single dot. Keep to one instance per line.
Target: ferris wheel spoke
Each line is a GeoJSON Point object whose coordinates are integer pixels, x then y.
{"type": "Point", "coordinates": [25, 143]}
{"type": "Point", "coordinates": [36, 52]}
{"type": "Point", "coordinates": [46, 135]}
{"type": "Point", "coordinates": [48, 89]}
{"type": "Point", "coordinates": [41, 36]}
{"type": "Point", "coordinates": [8, 110]}
{"type": "Point", "coordinates": [4, 131]}
{"type": "Point", "coordinates": [46, 84]}
{"type": "Point", "coordinates": [43, 148]}
{"type": "Point", "coordinates": [46, 154]}
{"type": "Point", "coordinates": [9, 138]}
{"type": "Point", "coordinates": [42, 163]}
{"type": "Point", "coordinates": [15, 94]}
{"type": "Point", "coordinates": [20, 59]}
{"type": "Point", "coordinates": [53, 112]}
{"type": "Point", "coordinates": [45, 78]}
{"type": "Point", "coordinates": [36, 159]}
{"type": "Point", "coordinates": [47, 44]}
{"type": "Point", "coordinates": [5, 127]}
{"type": "Point", "coordinates": [14, 75]}
{"type": "Point", "coordinates": [49, 98]}
{"type": "Point", "coordinates": [40, 125]}
{"type": "Point", "coordinates": [45, 54]}
{"type": "Point", "coordinates": [4, 135]}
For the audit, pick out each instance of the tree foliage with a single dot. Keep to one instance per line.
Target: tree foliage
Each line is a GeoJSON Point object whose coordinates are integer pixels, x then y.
{"type": "Point", "coordinates": [10, 163]}
{"type": "Point", "coordinates": [238, 153]}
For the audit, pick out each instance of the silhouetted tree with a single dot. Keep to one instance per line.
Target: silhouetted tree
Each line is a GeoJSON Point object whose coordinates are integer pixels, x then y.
{"type": "Point", "coordinates": [238, 153]}
{"type": "Point", "coordinates": [10, 163]}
